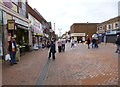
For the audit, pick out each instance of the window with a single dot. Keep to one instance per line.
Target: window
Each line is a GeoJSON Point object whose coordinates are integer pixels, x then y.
{"type": "Point", "coordinates": [109, 27]}
{"type": "Point", "coordinates": [116, 25]}
{"type": "Point", "coordinates": [22, 12]}
{"type": "Point", "coordinates": [24, 6]}
{"type": "Point", "coordinates": [101, 28]}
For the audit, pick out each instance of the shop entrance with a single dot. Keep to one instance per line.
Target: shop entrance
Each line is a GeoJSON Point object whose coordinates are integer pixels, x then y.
{"type": "Point", "coordinates": [22, 40]}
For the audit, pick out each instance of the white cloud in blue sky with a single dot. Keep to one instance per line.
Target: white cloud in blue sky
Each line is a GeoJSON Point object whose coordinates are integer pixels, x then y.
{"type": "Point", "coordinates": [66, 12]}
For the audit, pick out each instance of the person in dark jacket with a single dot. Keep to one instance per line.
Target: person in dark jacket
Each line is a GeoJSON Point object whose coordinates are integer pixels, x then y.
{"type": "Point", "coordinates": [52, 50]}
{"type": "Point", "coordinates": [88, 42]}
{"type": "Point", "coordinates": [93, 43]}
{"type": "Point", "coordinates": [12, 50]}
{"type": "Point", "coordinates": [118, 44]}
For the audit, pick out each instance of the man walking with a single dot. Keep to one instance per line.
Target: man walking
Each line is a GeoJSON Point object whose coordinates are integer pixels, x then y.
{"type": "Point", "coordinates": [52, 50]}
{"type": "Point", "coordinates": [12, 50]}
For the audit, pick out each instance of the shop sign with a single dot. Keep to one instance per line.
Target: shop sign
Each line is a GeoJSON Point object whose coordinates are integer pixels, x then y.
{"type": "Point", "coordinates": [78, 34]}
{"type": "Point", "coordinates": [22, 27]}
{"type": "Point", "coordinates": [11, 24]}
{"type": "Point", "coordinates": [37, 27]}
{"type": "Point", "coordinates": [19, 21]}
{"type": "Point", "coordinates": [111, 32]}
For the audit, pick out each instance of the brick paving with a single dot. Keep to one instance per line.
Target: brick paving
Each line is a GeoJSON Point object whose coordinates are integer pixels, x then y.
{"type": "Point", "coordinates": [82, 66]}
{"type": "Point", "coordinates": [26, 72]}
{"type": "Point", "coordinates": [77, 66]}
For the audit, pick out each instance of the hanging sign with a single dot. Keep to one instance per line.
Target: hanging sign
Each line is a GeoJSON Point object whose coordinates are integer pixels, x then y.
{"type": "Point", "coordinates": [11, 24]}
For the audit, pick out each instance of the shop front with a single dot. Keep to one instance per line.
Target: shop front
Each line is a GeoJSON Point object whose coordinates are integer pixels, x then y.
{"type": "Point", "coordinates": [102, 37]}
{"type": "Point", "coordinates": [22, 39]}
{"type": "Point", "coordinates": [14, 25]}
{"type": "Point", "coordinates": [111, 36]}
{"type": "Point", "coordinates": [37, 35]}
{"type": "Point", "coordinates": [19, 30]}
{"type": "Point", "coordinates": [78, 36]}
{"type": "Point", "coordinates": [37, 41]}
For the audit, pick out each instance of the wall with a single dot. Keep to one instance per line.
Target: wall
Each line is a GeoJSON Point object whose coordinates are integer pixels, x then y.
{"type": "Point", "coordinates": [89, 28]}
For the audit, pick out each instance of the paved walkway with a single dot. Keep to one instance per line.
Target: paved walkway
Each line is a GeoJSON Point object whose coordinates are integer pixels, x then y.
{"type": "Point", "coordinates": [77, 66]}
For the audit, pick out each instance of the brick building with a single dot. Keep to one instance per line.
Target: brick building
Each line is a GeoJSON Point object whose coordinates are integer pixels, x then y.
{"type": "Point", "coordinates": [83, 30]}
{"type": "Point", "coordinates": [108, 30]}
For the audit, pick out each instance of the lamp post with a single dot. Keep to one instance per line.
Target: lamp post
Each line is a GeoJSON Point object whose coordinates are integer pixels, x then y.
{"type": "Point", "coordinates": [59, 32]}
{"type": "Point", "coordinates": [87, 30]}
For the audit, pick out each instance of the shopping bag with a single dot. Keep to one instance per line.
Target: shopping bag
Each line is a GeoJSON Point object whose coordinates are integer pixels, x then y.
{"type": "Point", "coordinates": [7, 57]}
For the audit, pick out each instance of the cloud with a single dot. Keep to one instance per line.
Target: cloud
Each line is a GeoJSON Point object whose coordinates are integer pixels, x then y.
{"type": "Point", "coordinates": [66, 12]}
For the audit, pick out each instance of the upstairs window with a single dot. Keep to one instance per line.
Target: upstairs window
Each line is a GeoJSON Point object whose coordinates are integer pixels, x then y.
{"type": "Point", "coordinates": [109, 27]}
{"type": "Point", "coordinates": [116, 25]}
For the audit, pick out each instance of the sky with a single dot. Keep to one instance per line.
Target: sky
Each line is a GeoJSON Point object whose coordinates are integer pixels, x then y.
{"type": "Point", "coordinates": [66, 12]}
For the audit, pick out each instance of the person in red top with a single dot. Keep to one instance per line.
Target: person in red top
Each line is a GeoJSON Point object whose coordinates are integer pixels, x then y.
{"type": "Point", "coordinates": [12, 50]}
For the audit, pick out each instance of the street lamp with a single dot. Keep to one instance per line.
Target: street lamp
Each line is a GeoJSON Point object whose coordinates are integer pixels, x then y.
{"type": "Point", "coordinates": [59, 31]}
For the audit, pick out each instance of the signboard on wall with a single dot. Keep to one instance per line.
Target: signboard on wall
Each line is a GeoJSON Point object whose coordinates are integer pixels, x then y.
{"type": "Point", "coordinates": [78, 34]}
{"type": "Point", "coordinates": [11, 24]}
